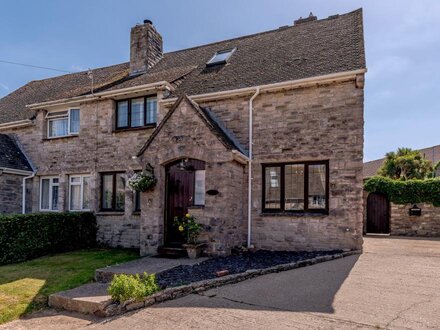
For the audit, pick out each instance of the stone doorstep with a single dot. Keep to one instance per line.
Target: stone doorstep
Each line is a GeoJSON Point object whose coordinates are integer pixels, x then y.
{"type": "Point", "coordinates": [89, 298]}
{"type": "Point", "coordinates": [93, 298]}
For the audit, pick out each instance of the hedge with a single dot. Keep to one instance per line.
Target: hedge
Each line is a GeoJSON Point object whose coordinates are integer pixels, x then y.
{"type": "Point", "coordinates": [403, 192]}
{"type": "Point", "coordinates": [28, 236]}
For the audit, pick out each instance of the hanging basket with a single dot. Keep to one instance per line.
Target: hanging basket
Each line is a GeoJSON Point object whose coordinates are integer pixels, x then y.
{"type": "Point", "coordinates": [142, 182]}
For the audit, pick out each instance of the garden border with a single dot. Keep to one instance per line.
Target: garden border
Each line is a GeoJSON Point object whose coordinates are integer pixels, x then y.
{"type": "Point", "coordinates": [113, 309]}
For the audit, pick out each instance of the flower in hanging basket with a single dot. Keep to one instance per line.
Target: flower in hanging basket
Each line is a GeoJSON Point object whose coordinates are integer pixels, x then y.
{"type": "Point", "coordinates": [142, 182]}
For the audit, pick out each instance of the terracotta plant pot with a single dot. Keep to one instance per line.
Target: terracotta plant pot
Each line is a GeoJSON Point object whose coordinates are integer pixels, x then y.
{"type": "Point", "coordinates": [193, 251]}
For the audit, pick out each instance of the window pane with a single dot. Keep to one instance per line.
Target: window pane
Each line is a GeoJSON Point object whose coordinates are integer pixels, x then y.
{"type": "Point", "coordinates": [54, 197]}
{"type": "Point", "coordinates": [45, 184]}
{"type": "Point", "coordinates": [107, 191]}
{"type": "Point", "coordinates": [151, 110]}
{"type": "Point", "coordinates": [199, 190]}
{"type": "Point", "coordinates": [137, 201]}
{"type": "Point", "coordinates": [75, 179]}
{"type": "Point", "coordinates": [86, 193]}
{"type": "Point", "coordinates": [74, 121]}
{"type": "Point", "coordinates": [317, 186]}
{"type": "Point", "coordinates": [137, 112]}
{"type": "Point", "coordinates": [75, 197]}
{"type": "Point", "coordinates": [58, 127]}
{"type": "Point", "coordinates": [294, 187]}
{"type": "Point", "coordinates": [272, 193]}
{"type": "Point", "coordinates": [122, 120]}
{"type": "Point", "coordinates": [120, 192]}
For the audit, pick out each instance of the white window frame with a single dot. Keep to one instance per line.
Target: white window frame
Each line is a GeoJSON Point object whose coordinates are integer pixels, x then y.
{"type": "Point", "coordinates": [211, 61]}
{"type": "Point", "coordinates": [51, 185]}
{"type": "Point", "coordinates": [50, 118]}
{"type": "Point", "coordinates": [81, 184]}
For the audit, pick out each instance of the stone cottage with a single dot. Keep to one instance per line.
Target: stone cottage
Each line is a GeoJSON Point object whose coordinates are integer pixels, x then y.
{"type": "Point", "coordinates": [260, 137]}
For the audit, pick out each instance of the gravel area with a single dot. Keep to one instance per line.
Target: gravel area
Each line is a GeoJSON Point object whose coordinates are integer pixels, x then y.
{"type": "Point", "coordinates": [235, 264]}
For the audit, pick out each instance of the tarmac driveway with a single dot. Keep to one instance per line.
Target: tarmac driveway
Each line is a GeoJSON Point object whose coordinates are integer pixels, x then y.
{"type": "Point", "coordinates": [394, 284]}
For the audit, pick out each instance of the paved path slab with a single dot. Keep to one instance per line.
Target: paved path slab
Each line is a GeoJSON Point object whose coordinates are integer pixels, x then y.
{"type": "Point", "coordinates": [395, 284]}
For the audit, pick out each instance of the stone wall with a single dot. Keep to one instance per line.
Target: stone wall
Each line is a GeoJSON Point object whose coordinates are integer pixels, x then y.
{"type": "Point", "coordinates": [10, 193]}
{"type": "Point", "coordinates": [185, 135]}
{"type": "Point", "coordinates": [317, 123]}
{"type": "Point", "coordinates": [401, 223]}
{"type": "Point", "coordinates": [98, 148]}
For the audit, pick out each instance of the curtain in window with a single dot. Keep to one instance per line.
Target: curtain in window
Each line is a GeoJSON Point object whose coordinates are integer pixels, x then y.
{"type": "Point", "coordinates": [45, 186]}
{"type": "Point", "coordinates": [74, 120]}
{"type": "Point", "coordinates": [75, 197]}
{"type": "Point", "coordinates": [86, 193]}
{"type": "Point", "coordinates": [273, 190]}
{"type": "Point", "coordinates": [107, 191]}
{"type": "Point", "coordinates": [317, 186]}
{"type": "Point", "coordinates": [151, 110]}
{"type": "Point", "coordinates": [137, 112]}
{"type": "Point", "coordinates": [294, 187]}
{"type": "Point", "coordinates": [122, 114]}
{"type": "Point", "coordinates": [120, 192]}
{"type": "Point", "coordinates": [58, 127]}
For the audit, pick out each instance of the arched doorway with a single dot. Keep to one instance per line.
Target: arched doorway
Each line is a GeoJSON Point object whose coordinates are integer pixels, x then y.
{"type": "Point", "coordinates": [181, 193]}
{"type": "Point", "coordinates": [378, 214]}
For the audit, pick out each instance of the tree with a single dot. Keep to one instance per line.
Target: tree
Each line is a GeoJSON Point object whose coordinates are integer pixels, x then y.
{"type": "Point", "coordinates": [405, 164]}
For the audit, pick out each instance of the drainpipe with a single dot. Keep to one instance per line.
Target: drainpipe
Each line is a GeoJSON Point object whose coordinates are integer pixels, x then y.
{"type": "Point", "coordinates": [257, 91]}
{"type": "Point", "coordinates": [23, 199]}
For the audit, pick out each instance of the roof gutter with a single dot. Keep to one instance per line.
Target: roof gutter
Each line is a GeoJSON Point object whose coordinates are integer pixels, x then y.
{"type": "Point", "coordinates": [101, 95]}
{"type": "Point", "coordinates": [14, 171]}
{"type": "Point", "coordinates": [291, 84]}
{"type": "Point", "coordinates": [14, 124]}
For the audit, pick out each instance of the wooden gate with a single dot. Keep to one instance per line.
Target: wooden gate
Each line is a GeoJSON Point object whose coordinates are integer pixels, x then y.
{"type": "Point", "coordinates": [378, 214]}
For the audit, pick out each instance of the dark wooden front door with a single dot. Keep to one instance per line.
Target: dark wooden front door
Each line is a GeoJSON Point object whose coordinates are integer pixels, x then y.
{"type": "Point", "coordinates": [378, 214]}
{"type": "Point", "coordinates": [179, 196]}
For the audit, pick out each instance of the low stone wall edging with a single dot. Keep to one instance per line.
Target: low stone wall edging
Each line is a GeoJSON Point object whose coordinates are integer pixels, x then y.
{"type": "Point", "coordinates": [114, 309]}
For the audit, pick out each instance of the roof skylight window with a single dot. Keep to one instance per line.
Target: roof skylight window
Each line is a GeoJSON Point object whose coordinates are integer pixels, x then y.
{"type": "Point", "coordinates": [221, 57]}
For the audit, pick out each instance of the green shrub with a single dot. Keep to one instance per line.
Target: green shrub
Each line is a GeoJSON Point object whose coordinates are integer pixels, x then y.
{"type": "Point", "coordinates": [28, 236]}
{"type": "Point", "coordinates": [125, 287]}
{"type": "Point", "coordinates": [403, 192]}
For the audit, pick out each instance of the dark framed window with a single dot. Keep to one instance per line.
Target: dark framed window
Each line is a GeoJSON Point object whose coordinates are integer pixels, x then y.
{"type": "Point", "coordinates": [136, 112]}
{"type": "Point", "coordinates": [137, 201]}
{"type": "Point", "coordinates": [112, 191]}
{"type": "Point", "coordinates": [296, 187]}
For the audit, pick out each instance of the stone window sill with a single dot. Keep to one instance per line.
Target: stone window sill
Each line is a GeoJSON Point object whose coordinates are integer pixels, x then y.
{"type": "Point", "coordinates": [294, 214]}
{"type": "Point", "coordinates": [60, 137]}
{"type": "Point", "coordinates": [118, 130]}
{"type": "Point", "coordinates": [110, 213]}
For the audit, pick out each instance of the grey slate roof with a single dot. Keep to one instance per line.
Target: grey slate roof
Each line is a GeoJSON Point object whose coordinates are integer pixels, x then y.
{"type": "Point", "coordinates": [222, 133]}
{"type": "Point", "coordinates": [309, 49]}
{"type": "Point", "coordinates": [11, 156]}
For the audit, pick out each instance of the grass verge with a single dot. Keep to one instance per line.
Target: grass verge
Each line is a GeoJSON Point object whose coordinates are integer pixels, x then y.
{"type": "Point", "coordinates": [25, 286]}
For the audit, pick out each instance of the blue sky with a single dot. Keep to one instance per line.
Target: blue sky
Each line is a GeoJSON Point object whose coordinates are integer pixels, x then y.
{"type": "Point", "coordinates": [402, 37]}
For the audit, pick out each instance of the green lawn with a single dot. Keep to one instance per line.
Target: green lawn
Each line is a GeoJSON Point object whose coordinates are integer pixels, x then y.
{"type": "Point", "coordinates": [25, 287]}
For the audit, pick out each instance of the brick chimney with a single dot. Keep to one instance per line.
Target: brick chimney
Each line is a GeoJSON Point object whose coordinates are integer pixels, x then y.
{"type": "Point", "coordinates": [146, 48]}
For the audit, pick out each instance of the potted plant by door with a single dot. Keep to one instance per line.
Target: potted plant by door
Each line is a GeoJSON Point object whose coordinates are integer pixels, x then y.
{"type": "Point", "coordinates": [191, 230]}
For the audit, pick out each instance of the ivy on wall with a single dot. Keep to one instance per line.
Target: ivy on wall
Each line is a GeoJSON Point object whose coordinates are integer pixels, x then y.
{"type": "Point", "coordinates": [403, 192]}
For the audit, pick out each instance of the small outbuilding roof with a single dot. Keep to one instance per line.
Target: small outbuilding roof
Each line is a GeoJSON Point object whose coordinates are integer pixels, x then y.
{"type": "Point", "coordinates": [11, 156]}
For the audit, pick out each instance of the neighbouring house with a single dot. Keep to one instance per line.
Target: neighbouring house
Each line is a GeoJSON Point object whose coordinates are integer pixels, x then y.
{"type": "Point", "coordinates": [14, 167]}
{"type": "Point", "coordinates": [383, 217]}
{"type": "Point", "coordinates": [432, 154]}
{"type": "Point", "coordinates": [260, 137]}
